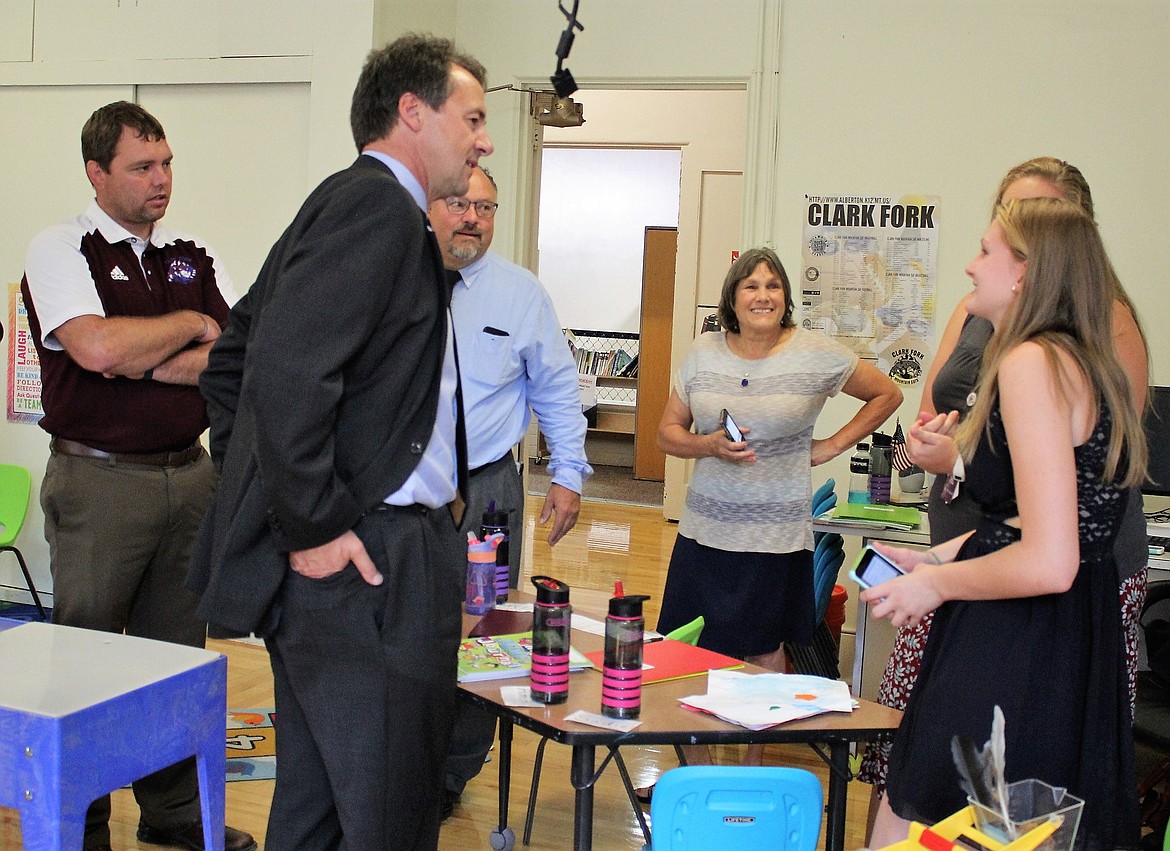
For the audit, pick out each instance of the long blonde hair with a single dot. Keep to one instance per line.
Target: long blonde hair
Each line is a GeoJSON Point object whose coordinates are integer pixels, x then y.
{"type": "Point", "coordinates": [1068, 180]}
{"type": "Point", "coordinates": [1065, 304]}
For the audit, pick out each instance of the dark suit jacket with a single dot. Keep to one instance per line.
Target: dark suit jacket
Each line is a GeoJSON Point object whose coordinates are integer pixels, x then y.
{"type": "Point", "coordinates": [323, 389]}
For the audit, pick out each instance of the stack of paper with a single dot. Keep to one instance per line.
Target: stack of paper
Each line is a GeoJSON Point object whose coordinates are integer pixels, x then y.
{"type": "Point", "coordinates": [759, 701]}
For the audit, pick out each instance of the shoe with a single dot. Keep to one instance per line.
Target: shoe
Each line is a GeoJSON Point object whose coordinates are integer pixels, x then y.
{"type": "Point", "coordinates": [191, 837]}
{"type": "Point", "coordinates": [450, 799]}
{"type": "Point", "coordinates": [644, 794]}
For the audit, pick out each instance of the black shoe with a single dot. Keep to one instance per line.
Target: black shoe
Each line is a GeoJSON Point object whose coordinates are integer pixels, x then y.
{"type": "Point", "coordinates": [450, 799]}
{"type": "Point", "coordinates": [644, 794]}
{"type": "Point", "coordinates": [191, 837]}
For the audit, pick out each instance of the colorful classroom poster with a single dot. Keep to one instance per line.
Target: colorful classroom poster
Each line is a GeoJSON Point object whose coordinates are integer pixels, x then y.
{"type": "Point", "coordinates": [868, 277]}
{"type": "Point", "coordinates": [24, 368]}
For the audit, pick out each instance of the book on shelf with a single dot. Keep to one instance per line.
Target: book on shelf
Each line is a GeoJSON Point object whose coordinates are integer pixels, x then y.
{"type": "Point", "coordinates": [673, 660]}
{"type": "Point", "coordinates": [621, 359]}
{"type": "Point", "coordinates": [630, 370]}
{"type": "Point", "coordinates": [498, 657]}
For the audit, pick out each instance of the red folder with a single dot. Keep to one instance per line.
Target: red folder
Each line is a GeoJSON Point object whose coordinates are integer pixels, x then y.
{"type": "Point", "coordinates": [673, 660]}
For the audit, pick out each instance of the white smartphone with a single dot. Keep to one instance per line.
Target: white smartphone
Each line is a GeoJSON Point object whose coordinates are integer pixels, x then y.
{"type": "Point", "coordinates": [873, 568]}
{"type": "Point", "coordinates": [730, 428]}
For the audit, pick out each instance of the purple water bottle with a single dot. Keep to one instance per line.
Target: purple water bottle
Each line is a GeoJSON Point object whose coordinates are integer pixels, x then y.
{"type": "Point", "coordinates": [481, 576]}
{"type": "Point", "coordinates": [496, 523]}
{"type": "Point", "coordinates": [621, 678]}
{"type": "Point", "coordinates": [551, 620]}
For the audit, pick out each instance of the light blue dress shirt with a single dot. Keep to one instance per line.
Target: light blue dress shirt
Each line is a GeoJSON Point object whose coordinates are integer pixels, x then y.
{"type": "Point", "coordinates": [434, 482]}
{"type": "Point", "coordinates": [513, 357]}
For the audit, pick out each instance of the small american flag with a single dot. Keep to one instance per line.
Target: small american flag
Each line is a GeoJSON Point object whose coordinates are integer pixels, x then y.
{"type": "Point", "coordinates": [900, 457]}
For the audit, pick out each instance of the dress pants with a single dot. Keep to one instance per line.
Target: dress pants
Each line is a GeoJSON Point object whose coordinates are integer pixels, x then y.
{"type": "Point", "coordinates": [475, 729]}
{"type": "Point", "coordinates": [120, 538]}
{"type": "Point", "coordinates": [364, 678]}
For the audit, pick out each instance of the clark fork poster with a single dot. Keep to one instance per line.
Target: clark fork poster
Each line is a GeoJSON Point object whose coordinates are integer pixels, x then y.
{"type": "Point", "coordinates": [869, 272]}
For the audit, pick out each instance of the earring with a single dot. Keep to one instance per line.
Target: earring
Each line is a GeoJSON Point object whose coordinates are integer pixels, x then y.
{"type": "Point", "coordinates": [1013, 288]}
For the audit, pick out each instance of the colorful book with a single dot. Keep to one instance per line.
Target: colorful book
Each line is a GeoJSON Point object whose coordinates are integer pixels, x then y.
{"type": "Point", "coordinates": [498, 657]}
{"type": "Point", "coordinates": [673, 660]}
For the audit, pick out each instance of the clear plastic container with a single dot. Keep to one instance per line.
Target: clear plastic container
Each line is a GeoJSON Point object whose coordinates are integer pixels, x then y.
{"type": "Point", "coordinates": [1031, 803]}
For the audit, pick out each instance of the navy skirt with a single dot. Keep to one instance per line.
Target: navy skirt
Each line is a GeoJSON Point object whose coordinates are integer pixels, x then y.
{"type": "Point", "coordinates": [751, 602]}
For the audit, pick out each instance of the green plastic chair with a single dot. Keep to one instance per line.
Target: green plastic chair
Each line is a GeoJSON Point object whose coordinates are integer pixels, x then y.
{"type": "Point", "coordinates": [15, 488]}
{"type": "Point", "coordinates": [689, 633]}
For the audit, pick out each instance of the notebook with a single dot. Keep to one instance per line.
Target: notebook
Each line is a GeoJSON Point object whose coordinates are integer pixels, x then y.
{"type": "Point", "coordinates": [673, 660]}
{"type": "Point", "coordinates": [499, 657]}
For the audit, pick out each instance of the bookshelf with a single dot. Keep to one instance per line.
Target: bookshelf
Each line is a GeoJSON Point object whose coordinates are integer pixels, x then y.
{"type": "Point", "coordinates": [612, 357]}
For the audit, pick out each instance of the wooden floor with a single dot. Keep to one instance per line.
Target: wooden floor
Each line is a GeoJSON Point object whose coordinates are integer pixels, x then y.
{"type": "Point", "coordinates": [610, 542]}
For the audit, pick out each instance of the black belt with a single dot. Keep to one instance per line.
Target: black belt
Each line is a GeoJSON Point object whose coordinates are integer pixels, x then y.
{"type": "Point", "coordinates": [148, 459]}
{"type": "Point", "coordinates": [506, 456]}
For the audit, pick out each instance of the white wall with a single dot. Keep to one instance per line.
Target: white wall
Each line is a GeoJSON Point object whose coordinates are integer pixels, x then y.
{"type": "Point", "coordinates": [595, 206]}
{"type": "Point", "coordinates": [937, 96]}
{"type": "Point", "coordinates": [255, 100]}
{"type": "Point", "coordinates": [857, 97]}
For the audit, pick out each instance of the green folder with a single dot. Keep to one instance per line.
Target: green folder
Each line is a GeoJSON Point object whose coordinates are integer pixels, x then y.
{"type": "Point", "coordinates": [901, 515]}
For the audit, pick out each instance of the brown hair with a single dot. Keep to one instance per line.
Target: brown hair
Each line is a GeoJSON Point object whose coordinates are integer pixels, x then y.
{"type": "Point", "coordinates": [100, 135]}
{"type": "Point", "coordinates": [742, 268]}
{"type": "Point", "coordinates": [419, 64]}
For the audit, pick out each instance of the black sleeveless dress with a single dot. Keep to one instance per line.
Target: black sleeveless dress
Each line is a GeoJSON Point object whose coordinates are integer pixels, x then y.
{"type": "Point", "coordinates": [1054, 664]}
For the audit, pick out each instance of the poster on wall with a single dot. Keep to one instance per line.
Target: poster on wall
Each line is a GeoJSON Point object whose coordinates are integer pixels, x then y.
{"type": "Point", "coordinates": [24, 368]}
{"type": "Point", "coordinates": [869, 272]}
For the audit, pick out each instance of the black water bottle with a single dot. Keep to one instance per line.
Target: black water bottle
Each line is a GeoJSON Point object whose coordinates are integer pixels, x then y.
{"type": "Point", "coordinates": [551, 621]}
{"type": "Point", "coordinates": [496, 522]}
{"type": "Point", "coordinates": [621, 678]}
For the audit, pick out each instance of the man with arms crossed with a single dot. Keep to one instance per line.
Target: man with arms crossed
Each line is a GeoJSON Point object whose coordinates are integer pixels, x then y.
{"type": "Point", "coordinates": [333, 403]}
{"type": "Point", "coordinates": [515, 359]}
{"type": "Point", "coordinates": [123, 311]}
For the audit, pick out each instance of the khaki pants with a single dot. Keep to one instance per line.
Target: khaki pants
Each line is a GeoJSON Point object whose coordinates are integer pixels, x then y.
{"type": "Point", "coordinates": [120, 538]}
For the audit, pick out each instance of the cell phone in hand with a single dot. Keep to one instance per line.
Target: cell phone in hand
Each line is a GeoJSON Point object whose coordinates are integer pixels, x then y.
{"type": "Point", "coordinates": [729, 427]}
{"type": "Point", "coordinates": [873, 568]}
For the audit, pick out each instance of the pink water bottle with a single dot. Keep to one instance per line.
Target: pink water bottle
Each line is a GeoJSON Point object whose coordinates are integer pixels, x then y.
{"type": "Point", "coordinates": [621, 678]}
{"type": "Point", "coordinates": [551, 621]}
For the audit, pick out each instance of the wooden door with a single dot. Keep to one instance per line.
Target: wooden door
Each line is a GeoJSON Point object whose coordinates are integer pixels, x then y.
{"type": "Point", "coordinates": [657, 323]}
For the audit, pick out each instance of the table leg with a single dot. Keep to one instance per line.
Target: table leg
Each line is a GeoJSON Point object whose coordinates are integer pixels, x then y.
{"type": "Point", "coordinates": [506, 730]}
{"type": "Point", "coordinates": [838, 793]}
{"type": "Point", "coordinates": [583, 779]}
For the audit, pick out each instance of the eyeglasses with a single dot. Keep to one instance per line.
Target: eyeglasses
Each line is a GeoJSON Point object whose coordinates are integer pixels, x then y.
{"type": "Point", "coordinates": [483, 209]}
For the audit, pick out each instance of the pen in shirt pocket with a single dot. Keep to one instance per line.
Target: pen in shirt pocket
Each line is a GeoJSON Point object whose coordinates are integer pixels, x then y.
{"type": "Point", "coordinates": [495, 332]}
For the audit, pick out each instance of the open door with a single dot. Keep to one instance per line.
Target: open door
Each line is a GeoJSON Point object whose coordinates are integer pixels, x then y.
{"type": "Point", "coordinates": [656, 331]}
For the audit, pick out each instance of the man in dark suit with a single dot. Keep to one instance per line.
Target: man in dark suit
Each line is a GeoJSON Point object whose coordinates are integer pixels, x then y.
{"type": "Point", "coordinates": [332, 396]}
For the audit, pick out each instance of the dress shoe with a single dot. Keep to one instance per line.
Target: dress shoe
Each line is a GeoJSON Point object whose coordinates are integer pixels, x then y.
{"type": "Point", "coordinates": [450, 799]}
{"type": "Point", "coordinates": [191, 837]}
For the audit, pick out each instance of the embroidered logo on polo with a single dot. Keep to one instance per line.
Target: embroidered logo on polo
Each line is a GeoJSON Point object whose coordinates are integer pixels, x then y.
{"type": "Point", "coordinates": [116, 274]}
{"type": "Point", "coordinates": [181, 271]}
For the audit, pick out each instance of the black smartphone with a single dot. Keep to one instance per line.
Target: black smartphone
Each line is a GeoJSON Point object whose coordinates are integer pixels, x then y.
{"type": "Point", "coordinates": [729, 427]}
{"type": "Point", "coordinates": [873, 568]}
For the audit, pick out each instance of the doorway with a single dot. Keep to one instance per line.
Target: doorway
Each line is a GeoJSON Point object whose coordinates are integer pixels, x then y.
{"type": "Point", "coordinates": [707, 127]}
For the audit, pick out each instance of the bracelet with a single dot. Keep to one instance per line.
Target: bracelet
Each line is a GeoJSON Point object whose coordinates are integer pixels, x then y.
{"type": "Point", "coordinates": [934, 557]}
{"type": "Point", "coordinates": [148, 375]}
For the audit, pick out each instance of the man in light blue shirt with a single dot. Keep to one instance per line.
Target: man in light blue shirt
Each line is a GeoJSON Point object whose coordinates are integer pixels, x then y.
{"type": "Point", "coordinates": [514, 361]}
